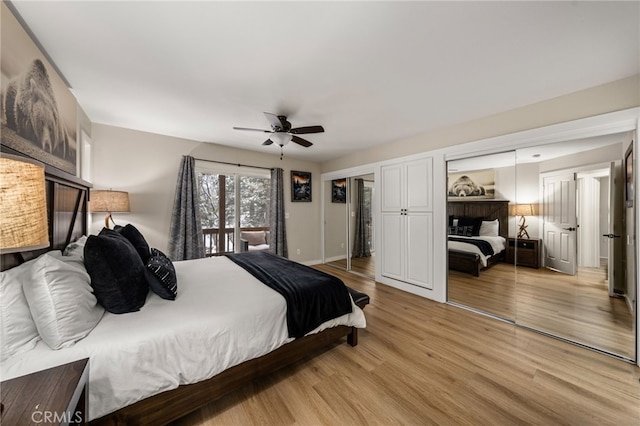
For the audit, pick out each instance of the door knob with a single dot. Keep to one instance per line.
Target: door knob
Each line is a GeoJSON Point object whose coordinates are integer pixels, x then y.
{"type": "Point", "coordinates": [569, 229]}
{"type": "Point", "coordinates": [611, 235]}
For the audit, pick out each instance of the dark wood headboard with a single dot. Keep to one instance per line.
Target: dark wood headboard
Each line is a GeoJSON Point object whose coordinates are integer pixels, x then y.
{"type": "Point", "coordinates": [488, 209]}
{"type": "Point", "coordinates": [67, 212]}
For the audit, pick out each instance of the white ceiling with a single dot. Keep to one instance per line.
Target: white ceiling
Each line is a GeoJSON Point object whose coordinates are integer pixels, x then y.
{"type": "Point", "coordinates": [369, 72]}
{"type": "Point", "coordinates": [536, 154]}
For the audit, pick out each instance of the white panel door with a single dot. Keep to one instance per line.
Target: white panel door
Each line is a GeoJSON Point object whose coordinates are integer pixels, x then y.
{"type": "Point", "coordinates": [393, 245]}
{"type": "Point", "coordinates": [419, 183]}
{"type": "Point", "coordinates": [419, 249]}
{"type": "Point", "coordinates": [560, 223]}
{"type": "Point", "coordinates": [392, 188]}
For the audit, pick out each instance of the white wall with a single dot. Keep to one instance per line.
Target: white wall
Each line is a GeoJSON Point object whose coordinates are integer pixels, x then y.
{"type": "Point", "coordinates": [528, 191]}
{"type": "Point", "coordinates": [146, 165]}
{"type": "Point", "coordinates": [615, 96]}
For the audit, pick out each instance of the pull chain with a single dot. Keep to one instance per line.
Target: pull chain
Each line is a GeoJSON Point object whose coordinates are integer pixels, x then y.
{"type": "Point", "coordinates": [281, 153]}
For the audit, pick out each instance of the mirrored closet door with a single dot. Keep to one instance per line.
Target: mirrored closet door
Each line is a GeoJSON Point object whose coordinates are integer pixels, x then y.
{"type": "Point", "coordinates": [349, 223]}
{"type": "Point", "coordinates": [336, 222]}
{"type": "Point", "coordinates": [480, 191]}
{"type": "Point", "coordinates": [581, 285]}
{"type": "Point", "coordinates": [568, 268]}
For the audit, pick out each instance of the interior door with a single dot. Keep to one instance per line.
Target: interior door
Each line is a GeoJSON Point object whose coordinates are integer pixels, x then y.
{"type": "Point", "coordinates": [560, 224]}
{"type": "Point", "coordinates": [616, 227]}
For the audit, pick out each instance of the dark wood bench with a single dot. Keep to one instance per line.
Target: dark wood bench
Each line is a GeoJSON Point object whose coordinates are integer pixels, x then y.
{"type": "Point", "coordinates": [361, 300]}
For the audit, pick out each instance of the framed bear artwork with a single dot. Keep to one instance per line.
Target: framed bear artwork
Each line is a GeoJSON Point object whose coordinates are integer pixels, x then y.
{"type": "Point", "coordinates": [38, 112]}
{"type": "Point", "coordinates": [476, 184]}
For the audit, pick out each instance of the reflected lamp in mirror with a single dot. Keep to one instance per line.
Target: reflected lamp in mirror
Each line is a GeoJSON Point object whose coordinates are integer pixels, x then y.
{"type": "Point", "coordinates": [108, 201]}
{"type": "Point", "coordinates": [523, 210]}
{"type": "Point", "coordinates": [23, 205]}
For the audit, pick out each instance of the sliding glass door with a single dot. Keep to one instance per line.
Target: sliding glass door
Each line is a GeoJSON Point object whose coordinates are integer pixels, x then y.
{"type": "Point", "coordinates": [231, 203]}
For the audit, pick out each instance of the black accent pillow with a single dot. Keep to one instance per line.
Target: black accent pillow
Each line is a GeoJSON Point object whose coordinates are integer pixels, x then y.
{"type": "Point", "coordinates": [116, 271]}
{"type": "Point", "coordinates": [464, 231]}
{"type": "Point", "coordinates": [476, 222]}
{"type": "Point", "coordinates": [134, 236]}
{"type": "Point", "coordinates": [161, 275]}
{"type": "Point", "coordinates": [450, 220]}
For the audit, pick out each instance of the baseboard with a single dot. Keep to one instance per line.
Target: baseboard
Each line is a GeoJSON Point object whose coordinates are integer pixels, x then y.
{"type": "Point", "coordinates": [334, 258]}
{"type": "Point", "coordinates": [629, 302]}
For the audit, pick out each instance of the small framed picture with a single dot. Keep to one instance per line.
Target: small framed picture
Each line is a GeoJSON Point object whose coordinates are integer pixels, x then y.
{"type": "Point", "coordinates": [300, 186]}
{"type": "Point", "coordinates": [339, 190]}
{"type": "Point", "coordinates": [628, 177]}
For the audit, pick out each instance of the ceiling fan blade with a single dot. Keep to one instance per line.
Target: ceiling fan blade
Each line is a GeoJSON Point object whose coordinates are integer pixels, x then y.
{"type": "Point", "coordinates": [252, 130]}
{"type": "Point", "coordinates": [278, 122]}
{"type": "Point", "coordinates": [301, 141]}
{"type": "Point", "coordinates": [267, 142]}
{"type": "Point", "coordinates": [307, 130]}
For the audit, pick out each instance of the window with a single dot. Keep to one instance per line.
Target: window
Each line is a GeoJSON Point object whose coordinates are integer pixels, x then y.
{"type": "Point", "coordinates": [231, 202]}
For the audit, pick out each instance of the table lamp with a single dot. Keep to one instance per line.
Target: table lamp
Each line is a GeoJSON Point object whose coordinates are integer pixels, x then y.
{"type": "Point", "coordinates": [108, 201]}
{"type": "Point", "coordinates": [23, 205]}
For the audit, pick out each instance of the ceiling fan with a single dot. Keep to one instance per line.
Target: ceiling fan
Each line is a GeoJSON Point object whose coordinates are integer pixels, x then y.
{"type": "Point", "coordinates": [282, 133]}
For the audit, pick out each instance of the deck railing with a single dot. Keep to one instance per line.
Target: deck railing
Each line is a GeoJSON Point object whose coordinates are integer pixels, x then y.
{"type": "Point", "coordinates": [214, 247]}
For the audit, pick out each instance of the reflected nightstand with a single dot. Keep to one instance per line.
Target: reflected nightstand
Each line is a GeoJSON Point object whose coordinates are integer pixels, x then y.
{"type": "Point", "coordinates": [527, 251]}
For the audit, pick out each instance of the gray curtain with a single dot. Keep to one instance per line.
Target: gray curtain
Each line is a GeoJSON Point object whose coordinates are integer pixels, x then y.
{"type": "Point", "coordinates": [360, 245]}
{"type": "Point", "coordinates": [278, 232]}
{"type": "Point", "coordinates": [185, 235]}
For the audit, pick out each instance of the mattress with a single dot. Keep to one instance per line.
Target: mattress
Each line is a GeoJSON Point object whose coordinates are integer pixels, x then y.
{"type": "Point", "coordinates": [498, 244]}
{"type": "Point", "coordinates": [222, 317]}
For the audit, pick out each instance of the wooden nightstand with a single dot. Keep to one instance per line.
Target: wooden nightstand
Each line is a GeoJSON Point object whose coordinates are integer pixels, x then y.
{"type": "Point", "coordinates": [527, 252]}
{"type": "Point", "coordinates": [57, 396]}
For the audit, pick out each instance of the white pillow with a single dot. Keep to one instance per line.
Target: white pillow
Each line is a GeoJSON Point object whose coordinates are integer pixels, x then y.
{"type": "Point", "coordinates": [18, 332]}
{"type": "Point", "coordinates": [489, 228]}
{"type": "Point", "coordinates": [61, 299]}
{"type": "Point", "coordinates": [76, 248]}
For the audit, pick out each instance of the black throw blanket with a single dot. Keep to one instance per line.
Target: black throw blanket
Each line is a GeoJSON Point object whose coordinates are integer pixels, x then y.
{"type": "Point", "coordinates": [484, 246]}
{"type": "Point", "coordinates": [312, 296]}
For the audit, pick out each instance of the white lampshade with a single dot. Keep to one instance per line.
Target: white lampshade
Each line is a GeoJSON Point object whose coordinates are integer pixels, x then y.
{"type": "Point", "coordinates": [280, 138]}
{"type": "Point", "coordinates": [23, 205]}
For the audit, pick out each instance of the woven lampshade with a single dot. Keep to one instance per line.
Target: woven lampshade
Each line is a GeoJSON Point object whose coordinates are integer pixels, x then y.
{"type": "Point", "coordinates": [23, 205]}
{"type": "Point", "coordinates": [109, 201]}
{"type": "Point", "coordinates": [522, 210]}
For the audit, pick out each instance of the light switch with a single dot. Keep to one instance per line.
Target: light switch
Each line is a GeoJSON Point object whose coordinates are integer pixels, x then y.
{"type": "Point", "coordinates": [286, 215]}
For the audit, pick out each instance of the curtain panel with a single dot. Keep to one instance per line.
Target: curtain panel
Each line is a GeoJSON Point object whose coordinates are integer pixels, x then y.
{"type": "Point", "coordinates": [278, 234]}
{"type": "Point", "coordinates": [185, 234]}
{"type": "Point", "coordinates": [361, 237]}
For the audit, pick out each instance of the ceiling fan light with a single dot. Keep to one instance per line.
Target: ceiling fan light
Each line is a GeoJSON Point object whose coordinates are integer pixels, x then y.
{"type": "Point", "coordinates": [281, 138]}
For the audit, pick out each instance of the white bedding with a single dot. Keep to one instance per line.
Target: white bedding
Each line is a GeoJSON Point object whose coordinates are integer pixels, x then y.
{"type": "Point", "coordinates": [498, 244]}
{"type": "Point", "coordinates": [222, 317]}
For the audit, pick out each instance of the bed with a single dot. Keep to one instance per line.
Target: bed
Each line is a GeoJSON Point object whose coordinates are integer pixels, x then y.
{"type": "Point", "coordinates": [172, 357]}
{"type": "Point", "coordinates": [469, 258]}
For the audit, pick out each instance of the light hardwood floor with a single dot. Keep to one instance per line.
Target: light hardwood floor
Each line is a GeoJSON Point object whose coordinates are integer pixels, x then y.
{"type": "Point", "coordinates": [420, 362]}
{"type": "Point", "coordinates": [362, 265]}
{"type": "Point", "coordinates": [576, 307]}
